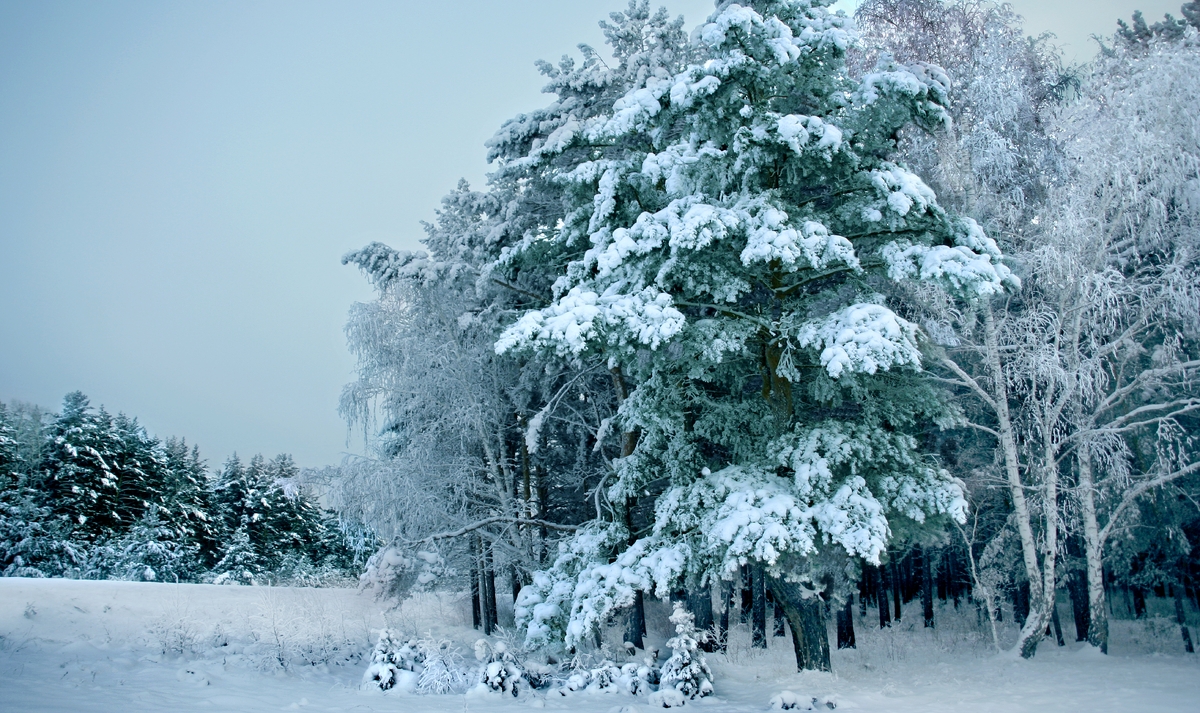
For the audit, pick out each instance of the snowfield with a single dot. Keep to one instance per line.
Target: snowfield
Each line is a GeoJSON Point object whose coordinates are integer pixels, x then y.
{"type": "Point", "coordinates": [69, 645]}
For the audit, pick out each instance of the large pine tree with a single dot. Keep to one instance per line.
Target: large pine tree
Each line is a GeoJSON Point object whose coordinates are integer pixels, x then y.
{"type": "Point", "coordinates": [729, 236]}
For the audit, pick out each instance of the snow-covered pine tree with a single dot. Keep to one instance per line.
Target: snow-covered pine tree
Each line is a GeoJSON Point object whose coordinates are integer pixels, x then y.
{"type": "Point", "coordinates": [240, 561]}
{"type": "Point", "coordinates": [686, 671]}
{"type": "Point", "coordinates": [728, 230]}
{"type": "Point", "coordinates": [82, 487]}
{"type": "Point", "coordinates": [187, 499]}
{"type": "Point", "coordinates": [153, 551]}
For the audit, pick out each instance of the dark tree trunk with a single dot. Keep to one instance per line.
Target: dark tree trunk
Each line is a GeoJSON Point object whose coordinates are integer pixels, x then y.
{"type": "Point", "coordinates": [780, 620]}
{"type": "Point", "coordinates": [881, 597]}
{"type": "Point", "coordinates": [1139, 602]}
{"type": "Point", "coordinates": [1181, 619]}
{"type": "Point", "coordinates": [700, 604]}
{"type": "Point", "coordinates": [1058, 635]}
{"type": "Point", "coordinates": [896, 589]}
{"type": "Point", "coordinates": [1077, 589]}
{"type": "Point", "coordinates": [636, 630]}
{"type": "Point", "coordinates": [476, 577]}
{"type": "Point", "coordinates": [490, 615]}
{"type": "Point", "coordinates": [806, 618]}
{"type": "Point", "coordinates": [845, 625]}
{"type": "Point", "coordinates": [516, 581]}
{"type": "Point", "coordinates": [747, 597]}
{"type": "Point", "coordinates": [758, 624]}
{"type": "Point", "coordinates": [726, 605]}
{"type": "Point", "coordinates": [1021, 602]}
{"type": "Point", "coordinates": [927, 586]}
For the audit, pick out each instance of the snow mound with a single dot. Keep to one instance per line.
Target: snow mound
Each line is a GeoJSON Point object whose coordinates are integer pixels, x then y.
{"type": "Point", "coordinates": [666, 698]}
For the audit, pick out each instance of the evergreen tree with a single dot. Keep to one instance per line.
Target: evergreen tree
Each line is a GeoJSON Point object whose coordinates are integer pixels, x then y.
{"type": "Point", "coordinates": [82, 486]}
{"type": "Point", "coordinates": [730, 233]}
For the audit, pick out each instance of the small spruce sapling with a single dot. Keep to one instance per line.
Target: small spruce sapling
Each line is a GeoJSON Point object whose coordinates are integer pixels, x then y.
{"type": "Point", "coordinates": [686, 671]}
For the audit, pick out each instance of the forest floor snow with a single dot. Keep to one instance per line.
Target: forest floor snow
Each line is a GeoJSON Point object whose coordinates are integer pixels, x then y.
{"type": "Point", "coordinates": [70, 646]}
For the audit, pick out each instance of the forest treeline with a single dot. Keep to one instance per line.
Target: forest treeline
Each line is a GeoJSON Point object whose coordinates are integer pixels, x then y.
{"type": "Point", "coordinates": [88, 494]}
{"type": "Point", "coordinates": [807, 309]}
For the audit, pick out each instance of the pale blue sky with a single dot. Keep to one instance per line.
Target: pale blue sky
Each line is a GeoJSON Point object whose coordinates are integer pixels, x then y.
{"type": "Point", "coordinates": [178, 181]}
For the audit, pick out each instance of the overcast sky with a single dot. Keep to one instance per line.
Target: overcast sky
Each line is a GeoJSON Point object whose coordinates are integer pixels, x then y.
{"type": "Point", "coordinates": [179, 180]}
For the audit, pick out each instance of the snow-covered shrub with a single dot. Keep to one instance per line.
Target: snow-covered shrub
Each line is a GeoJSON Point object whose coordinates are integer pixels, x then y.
{"type": "Point", "coordinates": [392, 654]}
{"type": "Point", "coordinates": [441, 667]}
{"type": "Point", "coordinates": [686, 671]}
{"type": "Point", "coordinates": [790, 700]}
{"type": "Point", "coordinates": [502, 672]}
{"type": "Point", "coordinates": [637, 679]}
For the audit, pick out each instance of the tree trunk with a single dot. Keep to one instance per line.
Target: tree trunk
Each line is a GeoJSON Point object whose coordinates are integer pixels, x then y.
{"type": "Point", "coordinates": [747, 597]}
{"type": "Point", "coordinates": [1030, 633]}
{"type": "Point", "coordinates": [779, 619]}
{"type": "Point", "coordinates": [881, 599]}
{"type": "Point", "coordinates": [806, 618]}
{"type": "Point", "coordinates": [1181, 619]}
{"type": "Point", "coordinates": [515, 581]}
{"type": "Point", "coordinates": [476, 578]}
{"type": "Point", "coordinates": [758, 624]}
{"type": "Point", "coordinates": [636, 630]}
{"type": "Point", "coordinates": [1058, 635]}
{"type": "Point", "coordinates": [637, 617]}
{"type": "Point", "coordinates": [1093, 550]}
{"type": "Point", "coordinates": [726, 605]}
{"type": "Point", "coordinates": [845, 625]}
{"type": "Point", "coordinates": [896, 589]}
{"type": "Point", "coordinates": [1139, 602]}
{"type": "Point", "coordinates": [927, 586]}
{"type": "Point", "coordinates": [1077, 588]}
{"type": "Point", "coordinates": [1021, 602]}
{"type": "Point", "coordinates": [700, 604]}
{"type": "Point", "coordinates": [491, 616]}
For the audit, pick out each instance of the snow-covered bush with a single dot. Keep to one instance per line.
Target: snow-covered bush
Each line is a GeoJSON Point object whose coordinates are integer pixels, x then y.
{"type": "Point", "coordinates": [502, 672]}
{"type": "Point", "coordinates": [441, 667]}
{"type": "Point", "coordinates": [686, 671]}
{"type": "Point", "coordinates": [392, 655]}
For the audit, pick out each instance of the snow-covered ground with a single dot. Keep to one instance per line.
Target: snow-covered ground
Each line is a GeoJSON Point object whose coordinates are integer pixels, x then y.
{"type": "Point", "coordinates": [74, 646]}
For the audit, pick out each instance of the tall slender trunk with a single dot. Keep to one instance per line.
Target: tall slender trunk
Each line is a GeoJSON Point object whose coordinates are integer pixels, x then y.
{"type": "Point", "coordinates": [896, 594]}
{"type": "Point", "coordinates": [700, 604]}
{"type": "Point", "coordinates": [726, 605]}
{"type": "Point", "coordinates": [1181, 619]}
{"type": "Point", "coordinates": [1077, 588]}
{"type": "Point", "coordinates": [806, 618]}
{"type": "Point", "coordinates": [927, 586]}
{"type": "Point", "coordinates": [476, 579]}
{"type": "Point", "coordinates": [758, 617]}
{"type": "Point", "coordinates": [491, 615]}
{"type": "Point", "coordinates": [1031, 631]}
{"type": "Point", "coordinates": [637, 617]}
{"type": "Point", "coordinates": [1058, 635]}
{"type": "Point", "coordinates": [779, 619]}
{"type": "Point", "coordinates": [1093, 550]}
{"type": "Point", "coordinates": [845, 625]}
{"type": "Point", "coordinates": [747, 596]}
{"type": "Point", "coordinates": [636, 630]}
{"type": "Point", "coordinates": [881, 598]}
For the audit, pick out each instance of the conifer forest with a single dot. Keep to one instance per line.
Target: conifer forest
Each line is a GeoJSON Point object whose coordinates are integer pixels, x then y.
{"type": "Point", "coordinates": [781, 355]}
